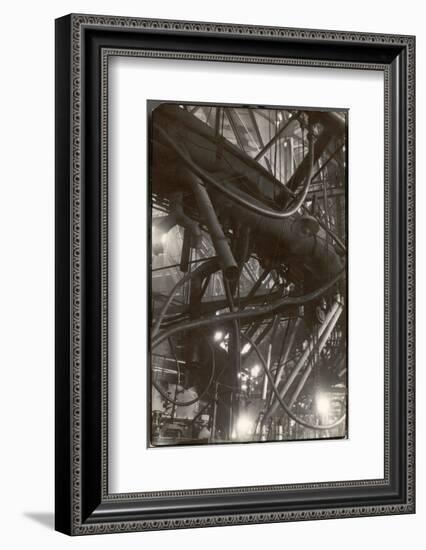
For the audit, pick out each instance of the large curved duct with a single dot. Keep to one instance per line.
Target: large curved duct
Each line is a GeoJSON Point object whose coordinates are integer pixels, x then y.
{"type": "Point", "coordinates": [249, 256]}
{"type": "Point", "coordinates": [273, 240]}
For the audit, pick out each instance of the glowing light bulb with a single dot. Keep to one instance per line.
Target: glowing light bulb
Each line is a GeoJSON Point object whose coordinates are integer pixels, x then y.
{"type": "Point", "coordinates": [323, 404]}
{"type": "Point", "coordinates": [255, 371]}
{"type": "Point", "coordinates": [218, 335]}
{"type": "Point", "coordinates": [246, 348]}
{"type": "Point", "coordinates": [244, 426]}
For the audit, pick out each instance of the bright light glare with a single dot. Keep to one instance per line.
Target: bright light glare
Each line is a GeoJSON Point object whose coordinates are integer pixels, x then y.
{"type": "Point", "coordinates": [255, 371]}
{"type": "Point", "coordinates": [323, 404]}
{"type": "Point", "coordinates": [218, 336]}
{"type": "Point", "coordinates": [246, 348]}
{"type": "Point", "coordinates": [157, 234]}
{"type": "Point", "coordinates": [244, 426]}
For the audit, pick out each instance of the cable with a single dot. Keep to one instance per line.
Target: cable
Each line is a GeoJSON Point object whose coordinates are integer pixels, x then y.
{"type": "Point", "coordinates": [332, 234]}
{"type": "Point", "coordinates": [199, 397]}
{"type": "Point", "coordinates": [280, 400]}
{"type": "Point", "coordinates": [237, 198]}
{"type": "Point", "coordinates": [172, 294]}
{"type": "Point", "coordinates": [172, 349]}
{"type": "Point", "coordinates": [248, 314]}
{"type": "Point", "coordinates": [170, 297]}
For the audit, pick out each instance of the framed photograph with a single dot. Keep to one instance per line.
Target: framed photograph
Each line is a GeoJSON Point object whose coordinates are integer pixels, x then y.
{"type": "Point", "coordinates": [221, 258]}
{"type": "Point", "coordinates": [234, 274]}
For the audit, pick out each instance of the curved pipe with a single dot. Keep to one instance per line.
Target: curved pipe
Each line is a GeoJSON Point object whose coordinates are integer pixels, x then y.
{"type": "Point", "coordinates": [192, 401]}
{"type": "Point", "coordinates": [239, 198]}
{"type": "Point", "coordinates": [220, 242]}
{"type": "Point", "coordinates": [200, 135]}
{"type": "Point", "coordinates": [199, 282]}
{"type": "Point", "coordinates": [235, 347]}
{"type": "Point", "coordinates": [184, 220]}
{"type": "Point", "coordinates": [280, 400]}
{"type": "Point", "coordinates": [288, 345]}
{"type": "Point", "coordinates": [321, 345]}
{"type": "Point", "coordinates": [248, 314]}
{"type": "Point", "coordinates": [332, 234]}
{"type": "Point", "coordinates": [305, 356]}
{"type": "Point", "coordinates": [274, 239]}
{"type": "Point", "coordinates": [172, 294]}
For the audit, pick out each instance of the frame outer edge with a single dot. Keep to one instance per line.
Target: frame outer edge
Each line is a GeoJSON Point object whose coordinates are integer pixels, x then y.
{"type": "Point", "coordinates": [77, 22]}
{"type": "Point", "coordinates": [411, 266]}
{"type": "Point", "coordinates": [63, 494]}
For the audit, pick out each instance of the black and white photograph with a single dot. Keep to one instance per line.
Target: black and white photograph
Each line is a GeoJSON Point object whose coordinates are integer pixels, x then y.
{"type": "Point", "coordinates": [209, 284]}
{"type": "Point", "coordinates": [248, 256]}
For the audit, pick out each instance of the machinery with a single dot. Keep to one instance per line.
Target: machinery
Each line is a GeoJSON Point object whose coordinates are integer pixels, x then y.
{"type": "Point", "coordinates": [248, 274]}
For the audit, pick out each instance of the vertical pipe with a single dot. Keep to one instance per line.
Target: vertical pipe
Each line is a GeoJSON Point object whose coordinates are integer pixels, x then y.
{"type": "Point", "coordinates": [214, 417]}
{"type": "Point", "coordinates": [289, 344]}
{"type": "Point", "coordinates": [275, 325]}
{"type": "Point", "coordinates": [231, 418]}
{"type": "Point", "coordinates": [186, 251]}
{"type": "Point", "coordinates": [305, 356]}
{"type": "Point", "coordinates": [265, 379]}
{"type": "Point", "coordinates": [220, 242]}
{"type": "Point", "coordinates": [321, 344]}
{"type": "Point", "coordinates": [234, 352]}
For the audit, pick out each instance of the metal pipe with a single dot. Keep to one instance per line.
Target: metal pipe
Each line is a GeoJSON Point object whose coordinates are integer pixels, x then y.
{"type": "Point", "coordinates": [275, 324]}
{"type": "Point", "coordinates": [220, 242]}
{"type": "Point", "coordinates": [197, 133]}
{"type": "Point", "coordinates": [265, 379]}
{"type": "Point", "coordinates": [239, 198]}
{"type": "Point", "coordinates": [277, 136]}
{"type": "Point", "coordinates": [234, 351]}
{"type": "Point", "coordinates": [232, 122]}
{"type": "Point", "coordinates": [214, 416]}
{"type": "Point", "coordinates": [176, 209]}
{"type": "Point", "coordinates": [209, 306]}
{"type": "Point", "coordinates": [191, 401]}
{"type": "Point", "coordinates": [335, 126]}
{"type": "Point", "coordinates": [258, 283]}
{"type": "Point", "coordinates": [321, 345]}
{"type": "Point", "coordinates": [332, 234]}
{"type": "Point", "coordinates": [270, 230]}
{"type": "Point", "coordinates": [268, 309]}
{"type": "Point", "coordinates": [283, 404]}
{"type": "Point", "coordinates": [185, 256]}
{"type": "Point", "coordinates": [258, 135]}
{"type": "Point", "coordinates": [171, 266]}
{"type": "Point", "coordinates": [187, 277]}
{"type": "Point", "coordinates": [289, 344]}
{"type": "Point", "coordinates": [304, 357]}
{"type": "Point", "coordinates": [203, 273]}
{"type": "Point", "coordinates": [330, 158]}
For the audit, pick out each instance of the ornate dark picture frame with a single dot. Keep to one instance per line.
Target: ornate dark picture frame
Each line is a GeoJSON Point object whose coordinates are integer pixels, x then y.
{"type": "Point", "coordinates": [84, 43]}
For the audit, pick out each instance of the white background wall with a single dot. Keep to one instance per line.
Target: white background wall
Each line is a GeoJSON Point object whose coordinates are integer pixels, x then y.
{"type": "Point", "coordinates": [27, 267]}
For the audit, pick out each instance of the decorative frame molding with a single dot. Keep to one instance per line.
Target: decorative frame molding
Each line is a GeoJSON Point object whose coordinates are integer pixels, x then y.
{"type": "Point", "coordinates": [84, 44]}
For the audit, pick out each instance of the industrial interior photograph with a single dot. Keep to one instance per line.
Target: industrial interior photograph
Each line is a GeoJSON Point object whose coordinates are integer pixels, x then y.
{"type": "Point", "coordinates": [248, 312]}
